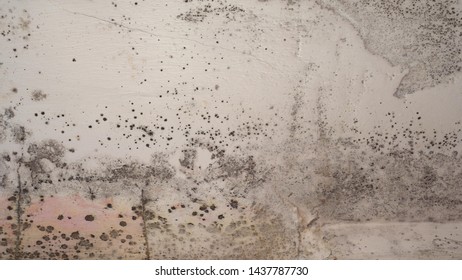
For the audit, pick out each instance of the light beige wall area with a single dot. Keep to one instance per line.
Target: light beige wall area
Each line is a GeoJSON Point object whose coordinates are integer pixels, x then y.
{"type": "Point", "coordinates": [231, 129]}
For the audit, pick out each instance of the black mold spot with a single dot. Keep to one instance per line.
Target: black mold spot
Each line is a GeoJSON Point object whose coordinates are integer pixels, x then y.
{"type": "Point", "coordinates": [75, 235]}
{"type": "Point", "coordinates": [104, 237]}
{"type": "Point", "coordinates": [89, 218]}
{"type": "Point", "coordinates": [233, 203]}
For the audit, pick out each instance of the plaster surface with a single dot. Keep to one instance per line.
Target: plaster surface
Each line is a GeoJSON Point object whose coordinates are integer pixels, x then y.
{"type": "Point", "coordinates": [230, 129]}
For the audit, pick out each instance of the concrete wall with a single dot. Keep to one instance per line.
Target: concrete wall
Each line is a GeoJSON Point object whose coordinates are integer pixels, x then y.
{"type": "Point", "coordinates": [230, 129]}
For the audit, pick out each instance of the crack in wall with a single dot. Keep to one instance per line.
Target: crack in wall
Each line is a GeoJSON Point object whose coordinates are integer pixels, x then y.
{"type": "Point", "coordinates": [144, 201]}
{"type": "Point", "coordinates": [19, 211]}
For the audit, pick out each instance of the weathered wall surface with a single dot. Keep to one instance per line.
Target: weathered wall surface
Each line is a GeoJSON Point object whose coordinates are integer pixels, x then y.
{"type": "Point", "coordinates": [230, 129]}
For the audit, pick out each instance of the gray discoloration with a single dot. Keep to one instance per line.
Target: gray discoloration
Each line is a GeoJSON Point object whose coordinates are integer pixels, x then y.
{"type": "Point", "coordinates": [20, 134]}
{"type": "Point", "coordinates": [398, 186]}
{"type": "Point", "coordinates": [423, 37]}
{"type": "Point", "coordinates": [218, 8]}
{"type": "Point", "coordinates": [157, 169]}
{"type": "Point", "coordinates": [38, 95]}
{"type": "Point", "coordinates": [44, 155]}
{"type": "Point", "coordinates": [189, 157]}
{"type": "Point", "coordinates": [3, 128]}
{"type": "Point", "coordinates": [9, 113]}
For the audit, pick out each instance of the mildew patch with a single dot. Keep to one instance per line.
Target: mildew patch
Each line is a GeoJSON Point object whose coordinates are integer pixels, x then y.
{"type": "Point", "coordinates": [44, 156]}
{"type": "Point", "coordinates": [216, 8]}
{"type": "Point", "coordinates": [423, 37]}
{"type": "Point", "coordinates": [189, 158]}
{"type": "Point", "coordinates": [9, 129]}
{"type": "Point", "coordinates": [38, 95]}
{"type": "Point", "coordinates": [210, 225]}
{"type": "Point", "coordinates": [2, 129]}
{"type": "Point", "coordinates": [395, 187]}
{"type": "Point", "coordinates": [20, 134]}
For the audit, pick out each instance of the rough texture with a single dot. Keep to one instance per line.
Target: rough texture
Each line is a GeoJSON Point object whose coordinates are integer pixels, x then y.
{"type": "Point", "coordinates": [230, 129]}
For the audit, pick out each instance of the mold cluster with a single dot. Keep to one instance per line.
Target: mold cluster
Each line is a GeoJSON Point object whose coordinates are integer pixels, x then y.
{"type": "Point", "coordinates": [423, 37]}
{"type": "Point", "coordinates": [217, 8]}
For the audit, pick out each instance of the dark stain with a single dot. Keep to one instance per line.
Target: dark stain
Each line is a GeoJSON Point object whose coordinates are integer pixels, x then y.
{"type": "Point", "coordinates": [189, 157]}
{"type": "Point", "coordinates": [38, 95]}
{"type": "Point", "coordinates": [89, 218]}
{"type": "Point", "coordinates": [421, 36]}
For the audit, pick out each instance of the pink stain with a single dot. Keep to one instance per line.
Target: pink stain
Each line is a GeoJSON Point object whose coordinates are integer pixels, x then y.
{"type": "Point", "coordinates": [69, 214]}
